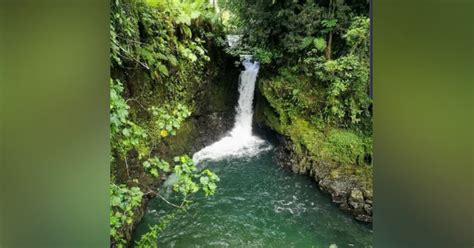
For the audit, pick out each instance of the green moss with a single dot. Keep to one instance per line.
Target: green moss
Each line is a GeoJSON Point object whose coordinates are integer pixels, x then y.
{"type": "Point", "coordinates": [271, 91]}
{"type": "Point", "coordinates": [362, 174]}
{"type": "Point", "coordinates": [301, 131]}
{"type": "Point", "coordinates": [338, 145]}
{"type": "Point", "coordinates": [344, 146]}
{"type": "Point", "coordinates": [272, 119]}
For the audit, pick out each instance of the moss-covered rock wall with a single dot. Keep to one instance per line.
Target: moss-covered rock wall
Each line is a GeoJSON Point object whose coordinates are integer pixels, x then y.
{"type": "Point", "coordinates": [213, 108]}
{"type": "Point", "coordinates": [338, 159]}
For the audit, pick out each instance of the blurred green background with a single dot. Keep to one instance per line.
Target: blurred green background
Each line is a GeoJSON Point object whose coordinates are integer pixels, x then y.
{"type": "Point", "coordinates": [55, 123]}
{"type": "Point", "coordinates": [422, 78]}
{"type": "Point", "coordinates": [55, 126]}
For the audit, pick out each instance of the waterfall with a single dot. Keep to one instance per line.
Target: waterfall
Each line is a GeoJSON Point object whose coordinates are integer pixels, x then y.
{"type": "Point", "coordinates": [243, 120]}
{"type": "Point", "coordinates": [233, 40]}
{"type": "Point", "coordinates": [240, 141]}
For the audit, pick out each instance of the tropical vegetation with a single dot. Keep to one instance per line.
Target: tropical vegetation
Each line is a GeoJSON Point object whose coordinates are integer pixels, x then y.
{"type": "Point", "coordinates": [314, 81]}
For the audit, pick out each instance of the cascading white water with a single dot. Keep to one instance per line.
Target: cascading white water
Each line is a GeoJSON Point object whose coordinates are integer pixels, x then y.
{"type": "Point", "coordinates": [243, 120]}
{"type": "Point", "coordinates": [240, 141]}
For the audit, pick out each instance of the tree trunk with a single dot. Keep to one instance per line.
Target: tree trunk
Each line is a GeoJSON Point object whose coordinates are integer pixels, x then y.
{"type": "Point", "coordinates": [328, 48]}
{"type": "Point", "coordinates": [332, 10]}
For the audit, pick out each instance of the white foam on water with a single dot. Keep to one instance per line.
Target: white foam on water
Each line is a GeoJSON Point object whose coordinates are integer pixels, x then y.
{"type": "Point", "coordinates": [240, 142]}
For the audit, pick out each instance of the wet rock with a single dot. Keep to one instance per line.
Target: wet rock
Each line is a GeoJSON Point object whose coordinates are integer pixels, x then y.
{"type": "Point", "coordinates": [356, 199]}
{"type": "Point", "coordinates": [364, 218]}
{"type": "Point", "coordinates": [368, 194]}
{"type": "Point", "coordinates": [368, 208]}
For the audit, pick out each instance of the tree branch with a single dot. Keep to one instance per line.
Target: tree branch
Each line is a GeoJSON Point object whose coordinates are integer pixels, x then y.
{"type": "Point", "coordinates": [164, 199]}
{"type": "Point", "coordinates": [136, 60]}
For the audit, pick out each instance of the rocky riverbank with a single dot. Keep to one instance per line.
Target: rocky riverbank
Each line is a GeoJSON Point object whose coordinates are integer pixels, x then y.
{"type": "Point", "coordinates": [346, 185]}
{"type": "Point", "coordinates": [339, 160]}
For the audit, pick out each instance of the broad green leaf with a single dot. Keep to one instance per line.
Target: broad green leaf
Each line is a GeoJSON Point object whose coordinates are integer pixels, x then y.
{"type": "Point", "coordinates": [319, 44]}
{"type": "Point", "coordinates": [212, 186]}
{"type": "Point", "coordinates": [154, 172]}
{"type": "Point", "coordinates": [162, 68]}
{"type": "Point", "coordinates": [307, 41]}
{"type": "Point", "coordinates": [204, 180]}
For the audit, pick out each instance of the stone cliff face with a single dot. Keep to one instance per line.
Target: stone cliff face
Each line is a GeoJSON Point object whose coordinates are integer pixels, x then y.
{"type": "Point", "coordinates": [213, 114]}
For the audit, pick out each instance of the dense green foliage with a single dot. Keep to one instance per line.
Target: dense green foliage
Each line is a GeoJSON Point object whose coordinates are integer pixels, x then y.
{"type": "Point", "coordinates": [164, 42]}
{"type": "Point", "coordinates": [315, 80]}
{"type": "Point", "coordinates": [165, 38]}
{"type": "Point", "coordinates": [123, 201]}
{"type": "Point", "coordinates": [316, 56]}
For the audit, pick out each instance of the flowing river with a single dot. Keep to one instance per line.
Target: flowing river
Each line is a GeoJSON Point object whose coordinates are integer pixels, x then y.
{"type": "Point", "coordinates": [257, 203]}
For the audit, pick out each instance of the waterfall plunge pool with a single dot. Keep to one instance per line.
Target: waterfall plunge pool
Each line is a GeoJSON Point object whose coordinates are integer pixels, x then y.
{"type": "Point", "coordinates": [257, 203]}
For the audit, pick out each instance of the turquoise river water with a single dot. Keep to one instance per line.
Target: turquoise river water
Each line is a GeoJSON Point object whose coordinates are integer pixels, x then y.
{"type": "Point", "coordinates": [258, 204]}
